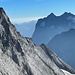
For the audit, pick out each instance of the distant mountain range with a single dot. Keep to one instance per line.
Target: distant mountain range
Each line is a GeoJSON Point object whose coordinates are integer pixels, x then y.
{"type": "Point", "coordinates": [52, 25]}
{"type": "Point", "coordinates": [26, 29]}
{"type": "Point", "coordinates": [64, 46]}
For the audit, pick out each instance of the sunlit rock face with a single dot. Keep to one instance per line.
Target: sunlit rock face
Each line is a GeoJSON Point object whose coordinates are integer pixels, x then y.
{"type": "Point", "coordinates": [52, 25]}
{"type": "Point", "coordinates": [20, 56]}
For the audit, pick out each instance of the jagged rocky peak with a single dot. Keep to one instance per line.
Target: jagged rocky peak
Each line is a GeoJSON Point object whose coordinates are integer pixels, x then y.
{"type": "Point", "coordinates": [3, 16]}
{"type": "Point", "coordinates": [66, 14]}
{"type": "Point", "coordinates": [6, 25]}
{"type": "Point", "coordinates": [20, 56]}
{"type": "Point", "coordinates": [1, 10]}
{"type": "Point", "coordinates": [52, 15]}
{"type": "Point", "coordinates": [46, 28]}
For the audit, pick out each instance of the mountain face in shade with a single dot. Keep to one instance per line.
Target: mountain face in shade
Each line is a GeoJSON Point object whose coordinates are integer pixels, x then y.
{"type": "Point", "coordinates": [52, 25]}
{"type": "Point", "coordinates": [64, 46]}
{"type": "Point", "coordinates": [20, 56]}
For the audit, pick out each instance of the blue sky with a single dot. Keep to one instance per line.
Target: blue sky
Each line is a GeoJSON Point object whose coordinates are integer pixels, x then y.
{"type": "Point", "coordinates": [26, 10]}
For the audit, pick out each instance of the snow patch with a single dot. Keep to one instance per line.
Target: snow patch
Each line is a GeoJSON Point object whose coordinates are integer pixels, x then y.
{"type": "Point", "coordinates": [66, 72]}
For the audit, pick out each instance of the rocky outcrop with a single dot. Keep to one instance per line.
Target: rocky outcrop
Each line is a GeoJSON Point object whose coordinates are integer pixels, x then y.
{"type": "Point", "coordinates": [20, 56]}
{"type": "Point", "coordinates": [64, 46]}
{"type": "Point", "coordinates": [52, 25]}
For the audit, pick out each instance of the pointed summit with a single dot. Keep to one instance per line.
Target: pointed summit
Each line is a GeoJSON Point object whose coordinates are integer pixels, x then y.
{"type": "Point", "coordinates": [1, 9]}
{"type": "Point", "coordinates": [3, 16]}
{"type": "Point", "coordinates": [6, 27]}
{"type": "Point", "coordinates": [52, 15]}
{"type": "Point", "coordinates": [67, 14]}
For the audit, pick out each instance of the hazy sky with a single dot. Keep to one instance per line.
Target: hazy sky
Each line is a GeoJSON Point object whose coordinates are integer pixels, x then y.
{"type": "Point", "coordinates": [26, 10]}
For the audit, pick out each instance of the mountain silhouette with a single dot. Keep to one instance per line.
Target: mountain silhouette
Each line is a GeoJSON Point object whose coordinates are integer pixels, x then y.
{"type": "Point", "coordinates": [52, 25]}
{"type": "Point", "coordinates": [63, 45]}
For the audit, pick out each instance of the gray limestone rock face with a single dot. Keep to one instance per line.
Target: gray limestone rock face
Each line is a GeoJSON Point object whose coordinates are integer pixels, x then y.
{"type": "Point", "coordinates": [20, 56]}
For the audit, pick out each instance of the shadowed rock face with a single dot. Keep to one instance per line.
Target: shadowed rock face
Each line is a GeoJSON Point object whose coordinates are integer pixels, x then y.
{"type": "Point", "coordinates": [64, 46]}
{"type": "Point", "coordinates": [20, 56]}
{"type": "Point", "coordinates": [52, 25]}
